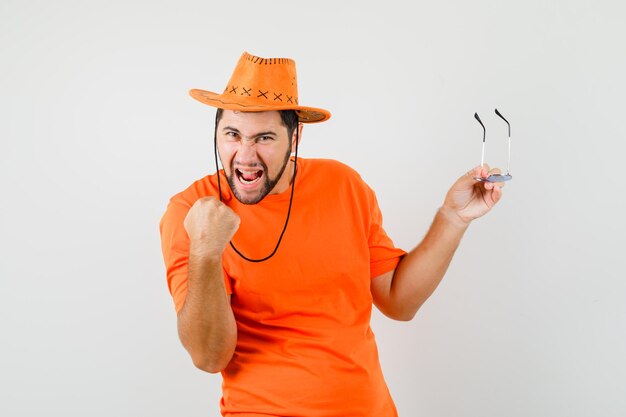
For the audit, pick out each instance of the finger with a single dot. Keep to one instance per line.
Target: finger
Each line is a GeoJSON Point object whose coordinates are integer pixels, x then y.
{"type": "Point", "coordinates": [490, 185]}
{"type": "Point", "coordinates": [496, 171]}
{"type": "Point", "coordinates": [467, 180]}
{"type": "Point", "coordinates": [477, 172]}
{"type": "Point", "coordinates": [496, 194]}
{"type": "Point", "coordinates": [486, 169]}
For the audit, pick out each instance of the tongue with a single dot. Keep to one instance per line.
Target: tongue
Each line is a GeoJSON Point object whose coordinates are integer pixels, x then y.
{"type": "Point", "coordinates": [250, 177]}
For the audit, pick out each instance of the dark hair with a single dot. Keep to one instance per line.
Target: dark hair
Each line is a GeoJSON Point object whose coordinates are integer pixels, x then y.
{"type": "Point", "coordinates": [288, 117]}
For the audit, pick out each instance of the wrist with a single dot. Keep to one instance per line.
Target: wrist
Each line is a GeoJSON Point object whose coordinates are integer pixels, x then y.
{"type": "Point", "coordinates": [452, 217]}
{"type": "Point", "coordinates": [205, 253]}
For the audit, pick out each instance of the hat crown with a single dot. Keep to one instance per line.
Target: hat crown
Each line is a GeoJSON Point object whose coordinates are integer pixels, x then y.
{"type": "Point", "coordinates": [262, 84]}
{"type": "Point", "coordinates": [264, 81]}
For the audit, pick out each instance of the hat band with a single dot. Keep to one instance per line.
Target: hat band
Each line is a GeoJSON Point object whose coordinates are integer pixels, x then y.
{"type": "Point", "coordinates": [260, 95]}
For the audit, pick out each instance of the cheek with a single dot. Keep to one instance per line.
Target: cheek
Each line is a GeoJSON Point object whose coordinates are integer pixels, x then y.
{"type": "Point", "coordinates": [272, 157]}
{"type": "Point", "coordinates": [226, 153]}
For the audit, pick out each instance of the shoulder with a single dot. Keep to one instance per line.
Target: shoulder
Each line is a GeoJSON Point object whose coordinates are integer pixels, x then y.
{"type": "Point", "coordinates": [203, 187]}
{"type": "Point", "coordinates": [180, 203]}
{"type": "Point", "coordinates": [333, 169]}
{"type": "Point", "coordinates": [336, 178]}
{"type": "Point", "coordinates": [171, 225]}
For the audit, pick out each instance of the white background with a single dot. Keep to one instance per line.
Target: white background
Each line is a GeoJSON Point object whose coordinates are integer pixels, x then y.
{"type": "Point", "coordinates": [97, 132]}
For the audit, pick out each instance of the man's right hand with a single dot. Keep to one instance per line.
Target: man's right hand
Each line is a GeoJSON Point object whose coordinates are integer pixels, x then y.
{"type": "Point", "coordinates": [210, 225]}
{"type": "Point", "coordinates": [206, 324]}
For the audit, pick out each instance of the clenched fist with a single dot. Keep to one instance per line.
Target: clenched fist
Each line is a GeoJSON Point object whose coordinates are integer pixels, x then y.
{"type": "Point", "coordinates": [210, 225]}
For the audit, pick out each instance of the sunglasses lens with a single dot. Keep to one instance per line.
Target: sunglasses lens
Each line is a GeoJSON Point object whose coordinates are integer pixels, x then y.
{"type": "Point", "coordinates": [495, 178]}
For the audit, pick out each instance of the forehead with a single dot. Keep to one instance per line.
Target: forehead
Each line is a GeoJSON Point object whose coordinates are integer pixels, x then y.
{"type": "Point", "coordinates": [252, 122]}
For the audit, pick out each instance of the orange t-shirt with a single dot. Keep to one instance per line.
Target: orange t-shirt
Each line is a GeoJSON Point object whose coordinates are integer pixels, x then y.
{"type": "Point", "coordinates": [304, 342]}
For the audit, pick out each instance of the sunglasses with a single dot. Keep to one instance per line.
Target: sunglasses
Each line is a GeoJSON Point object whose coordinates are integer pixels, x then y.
{"type": "Point", "coordinates": [495, 177]}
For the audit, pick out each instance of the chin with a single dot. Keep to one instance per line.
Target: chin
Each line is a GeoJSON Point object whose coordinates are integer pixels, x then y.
{"type": "Point", "coordinates": [249, 198]}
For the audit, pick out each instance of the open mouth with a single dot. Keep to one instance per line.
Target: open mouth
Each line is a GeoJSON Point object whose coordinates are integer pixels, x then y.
{"type": "Point", "coordinates": [248, 177]}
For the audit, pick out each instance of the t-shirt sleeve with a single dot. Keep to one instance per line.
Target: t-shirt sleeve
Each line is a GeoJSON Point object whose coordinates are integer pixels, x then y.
{"type": "Point", "coordinates": [384, 256]}
{"type": "Point", "coordinates": [175, 248]}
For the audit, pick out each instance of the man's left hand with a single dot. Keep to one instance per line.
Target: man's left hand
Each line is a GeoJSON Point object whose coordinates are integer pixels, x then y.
{"type": "Point", "coordinates": [469, 199]}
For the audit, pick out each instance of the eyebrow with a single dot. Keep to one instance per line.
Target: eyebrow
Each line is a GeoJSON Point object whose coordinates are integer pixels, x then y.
{"type": "Point", "coordinates": [256, 135]}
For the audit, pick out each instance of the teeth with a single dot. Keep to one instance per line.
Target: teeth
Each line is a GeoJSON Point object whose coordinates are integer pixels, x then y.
{"type": "Point", "coordinates": [240, 175]}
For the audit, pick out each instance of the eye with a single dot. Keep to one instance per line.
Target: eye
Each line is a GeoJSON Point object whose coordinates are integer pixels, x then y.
{"type": "Point", "coordinates": [266, 139]}
{"type": "Point", "coordinates": [231, 135]}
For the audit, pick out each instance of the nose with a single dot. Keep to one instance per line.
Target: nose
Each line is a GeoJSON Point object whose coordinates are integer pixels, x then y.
{"type": "Point", "coordinates": [246, 153]}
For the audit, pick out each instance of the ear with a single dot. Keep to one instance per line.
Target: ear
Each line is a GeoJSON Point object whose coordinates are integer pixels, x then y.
{"type": "Point", "coordinates": [293, 138]}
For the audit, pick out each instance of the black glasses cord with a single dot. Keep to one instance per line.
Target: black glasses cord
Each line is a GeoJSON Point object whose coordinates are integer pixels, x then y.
{"type": "Point", "coordinates": [293, 187]}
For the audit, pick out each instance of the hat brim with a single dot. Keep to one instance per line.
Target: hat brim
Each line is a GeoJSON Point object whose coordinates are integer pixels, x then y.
{"type": "Point", "coordinates": [226, 102]}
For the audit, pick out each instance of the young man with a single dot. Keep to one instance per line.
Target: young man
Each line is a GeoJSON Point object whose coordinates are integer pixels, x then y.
{"type": "Point", "coordinates": [279, 300]}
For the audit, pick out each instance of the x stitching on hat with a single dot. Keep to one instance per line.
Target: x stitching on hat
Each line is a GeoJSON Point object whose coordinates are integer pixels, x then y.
{"type": "Point", "coordinates": [278, 76]}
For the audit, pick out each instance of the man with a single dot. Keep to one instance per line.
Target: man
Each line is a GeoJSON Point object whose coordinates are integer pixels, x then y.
{"type": "Point", "coordinates": [279, 300]}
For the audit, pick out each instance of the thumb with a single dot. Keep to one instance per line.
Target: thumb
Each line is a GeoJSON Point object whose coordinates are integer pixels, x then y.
{"type": "Point", "coordinates": [469, 179]}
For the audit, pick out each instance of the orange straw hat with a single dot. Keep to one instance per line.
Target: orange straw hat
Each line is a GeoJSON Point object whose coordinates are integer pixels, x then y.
{"type": "Point", "coordinates": [262, 84]}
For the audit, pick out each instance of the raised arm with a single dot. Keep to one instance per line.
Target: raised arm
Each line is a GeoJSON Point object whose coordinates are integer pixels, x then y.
{"type": "Point", "coordinates": [206, 325]}
{"type": "Point", "coordinates": [399, 294]}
